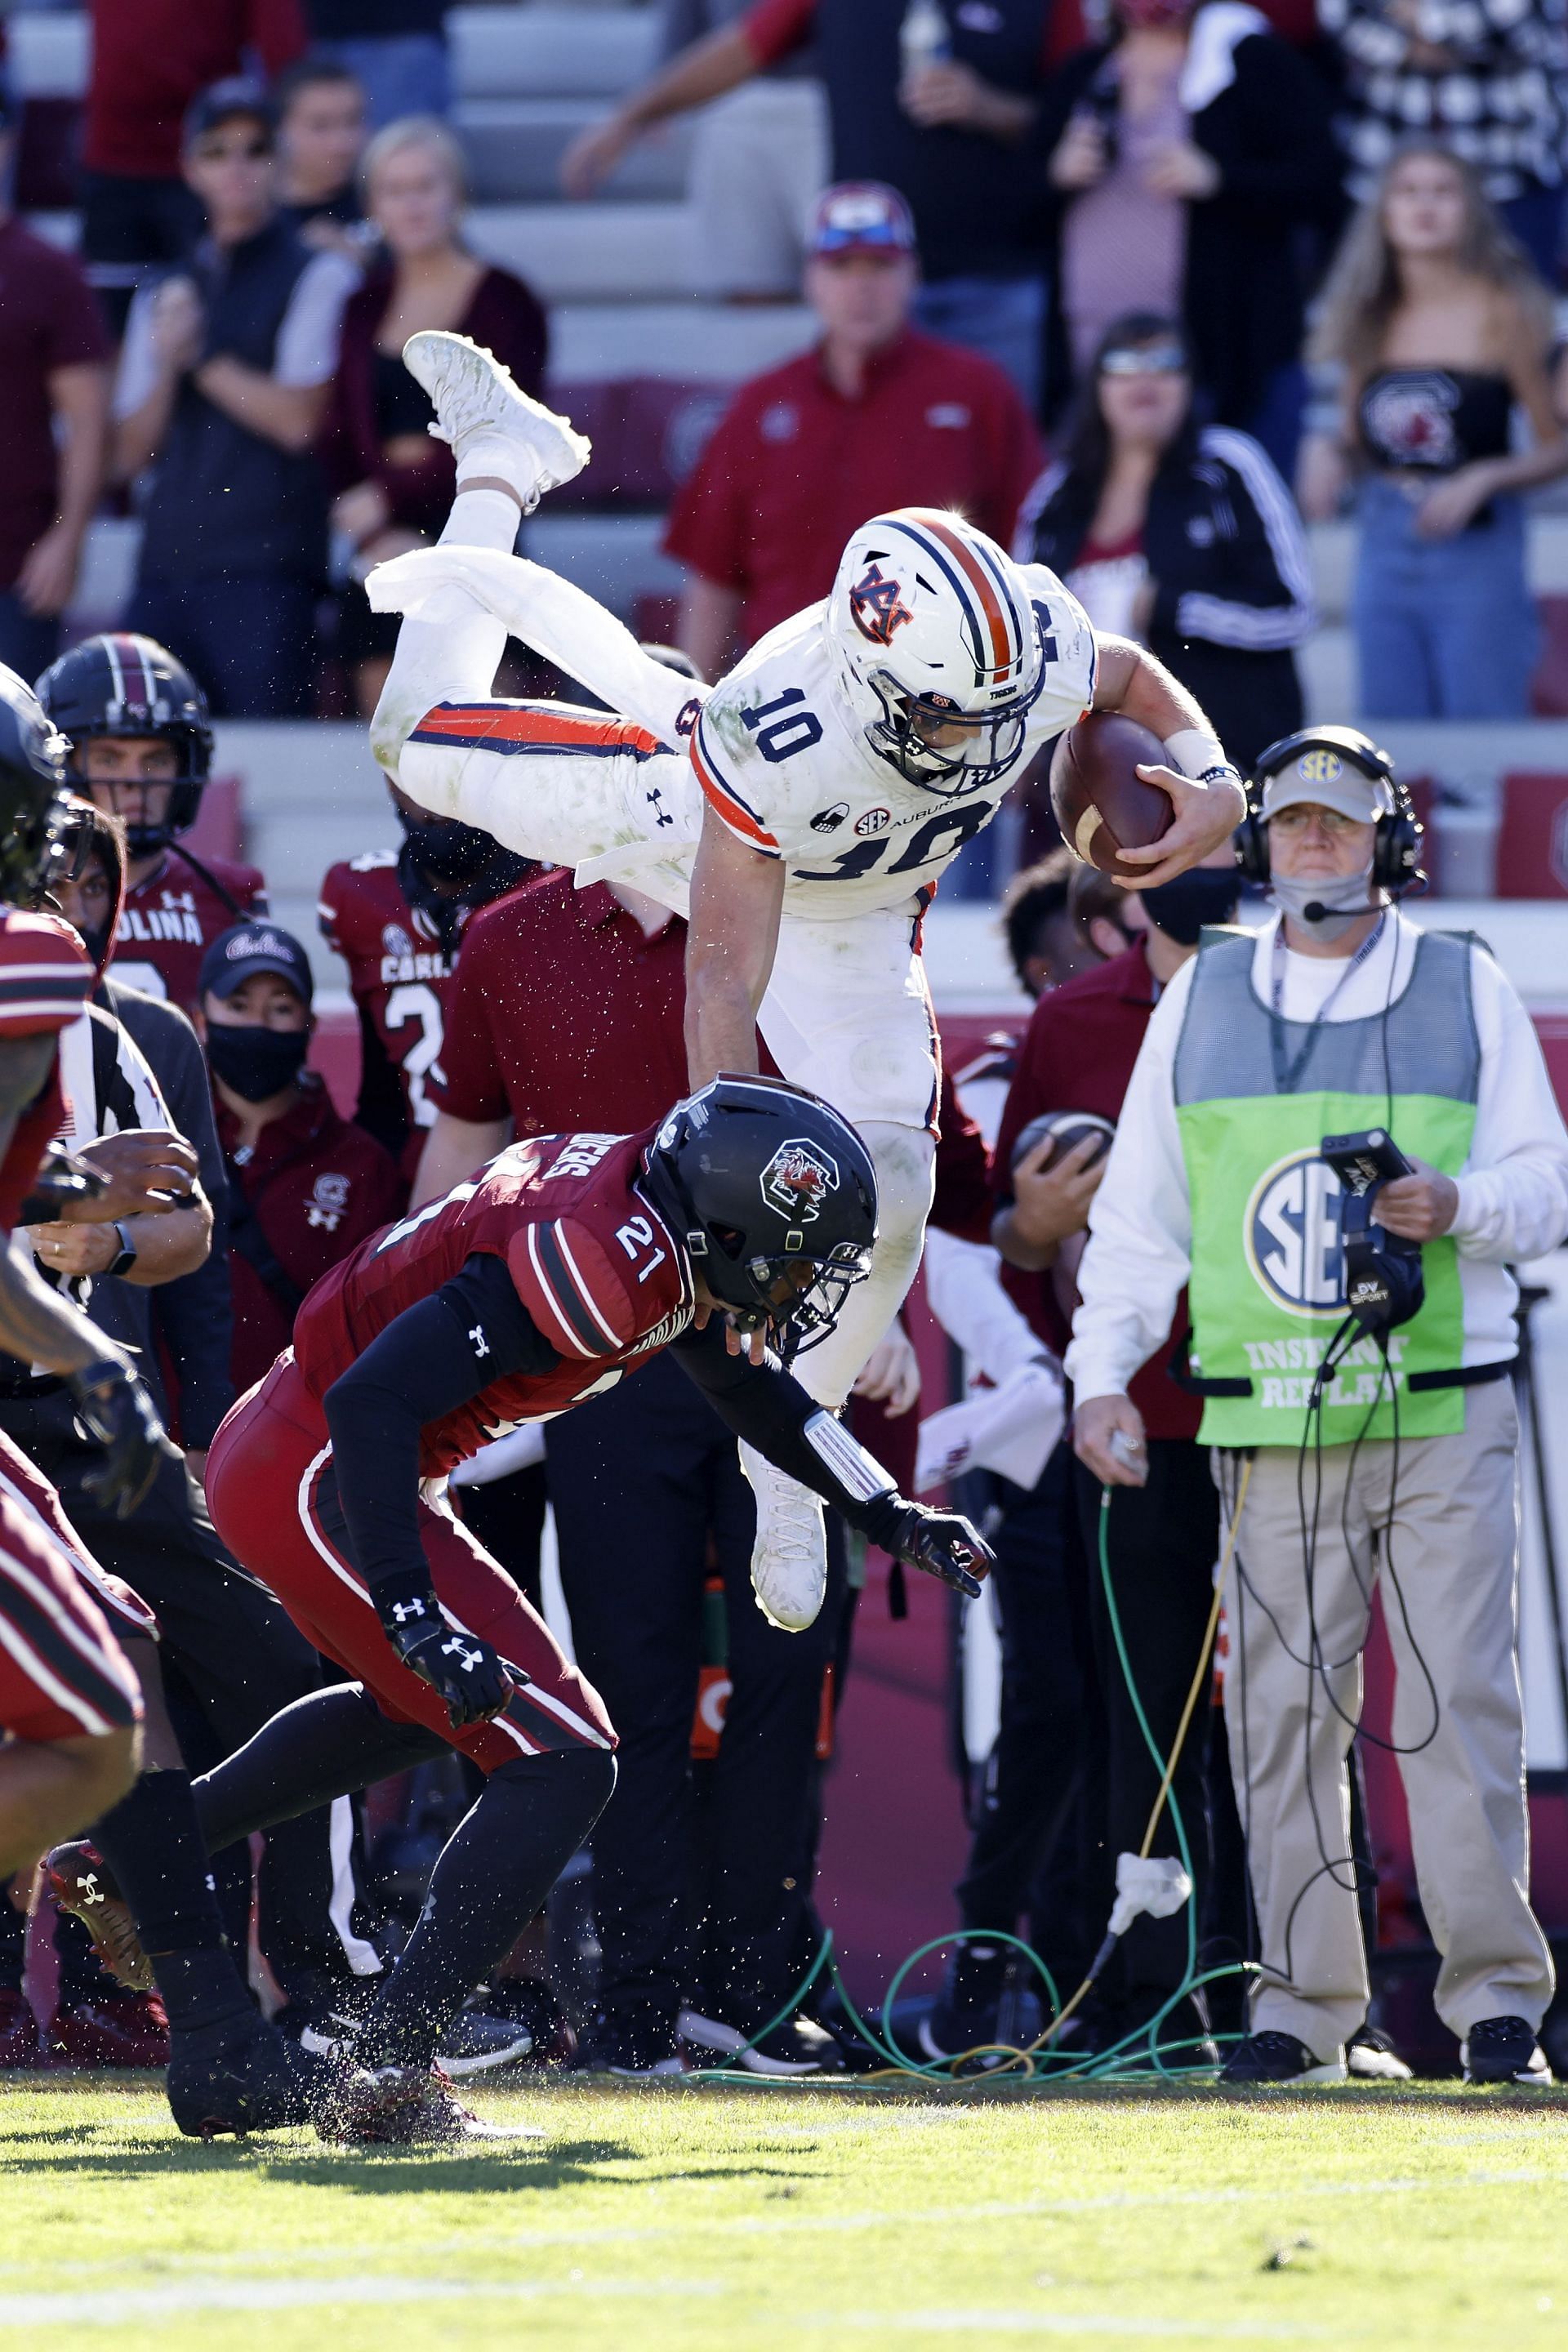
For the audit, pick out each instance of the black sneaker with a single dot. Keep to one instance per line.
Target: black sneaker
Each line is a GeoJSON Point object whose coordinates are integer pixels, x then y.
{"type": "Point", "coordinates": [1370, 2057]}
{"type": "Point", "coordinates": [1504, 2050]}
{"type": "Point", "coordinates": [636, 2054]}
{"type": "Point", "coordinates": [1266, 2058]}
{"type": "Point", "coordinates": [964, 2014]}
{"type": "Point", "coordinates": [256, 2081]}
{"type": "Point", "coordinates": [798, 2046]}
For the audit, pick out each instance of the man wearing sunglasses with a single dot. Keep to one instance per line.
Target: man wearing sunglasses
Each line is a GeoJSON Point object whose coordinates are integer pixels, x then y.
{"type": "Point", "coordinates": [222, 381]}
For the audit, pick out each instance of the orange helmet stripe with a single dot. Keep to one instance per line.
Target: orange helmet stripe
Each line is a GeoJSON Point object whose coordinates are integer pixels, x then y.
{"type": "Point", "coordinates": [991, 605]}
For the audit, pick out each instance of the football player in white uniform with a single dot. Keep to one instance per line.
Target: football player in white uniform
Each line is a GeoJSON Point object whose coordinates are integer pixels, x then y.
{"type": "Point", "coordinates": [800, 813]}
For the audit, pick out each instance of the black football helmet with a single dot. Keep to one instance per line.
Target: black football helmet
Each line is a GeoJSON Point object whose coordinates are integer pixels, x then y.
{"type": "Point", "coordinates": [33, 792]}
{"type": "Point", "coordinates": [127, 686]}
{"type": "Point", "coordinates": [447, 870]}
{"type": "Point", "coordinates": [773, 1197]}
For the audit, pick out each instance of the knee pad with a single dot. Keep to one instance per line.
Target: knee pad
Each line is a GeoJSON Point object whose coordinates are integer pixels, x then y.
{"type": "Point", "coordinates": [905, 1160]}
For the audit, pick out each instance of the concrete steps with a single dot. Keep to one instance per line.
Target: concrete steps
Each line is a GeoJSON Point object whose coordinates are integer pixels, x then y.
{"type": "Point", "coordinates": [515, 145]}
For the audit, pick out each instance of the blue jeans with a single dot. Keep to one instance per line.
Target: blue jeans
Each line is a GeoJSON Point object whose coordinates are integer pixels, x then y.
{"type": "Point", "coordinates": [401, 73]}
{"type": "Point", "coordinates": [1445, 628]}
{"type": "Point", "coordinates": [1002, 317]}
{"type": "Point", "coordinates": [28, 641]}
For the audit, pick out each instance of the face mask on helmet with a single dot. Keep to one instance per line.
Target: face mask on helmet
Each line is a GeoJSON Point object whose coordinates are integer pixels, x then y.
{"type": "Point", "coordinates": [794, 1301]}
{"type": "Point", "coordinates": [934, 743]}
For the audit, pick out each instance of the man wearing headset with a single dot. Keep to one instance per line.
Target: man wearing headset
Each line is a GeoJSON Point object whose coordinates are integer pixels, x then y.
{"type": "Point", "coordinates": [1346, 1450]}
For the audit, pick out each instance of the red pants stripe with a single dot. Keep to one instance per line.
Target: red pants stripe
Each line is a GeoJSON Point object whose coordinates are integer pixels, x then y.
{"type": "Point", "coordinates": [25, 1484]}
{"type": "Point", "coordinates": [63, 1675]}
{"type": "Point", "coordinates": [272, 1493]}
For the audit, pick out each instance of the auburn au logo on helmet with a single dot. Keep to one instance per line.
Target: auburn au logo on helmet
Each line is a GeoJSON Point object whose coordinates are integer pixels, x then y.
{"type": "Point", "coordinates": [878, 605]}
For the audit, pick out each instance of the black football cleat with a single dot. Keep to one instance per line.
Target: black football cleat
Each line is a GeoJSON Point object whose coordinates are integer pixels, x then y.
{"type": "Point", "coordinates": [1370, 2057]}
{"type": "Point", "coordinates": [798, 2046]}
{"type": "Point", "coordinates": [81, 1883]}
{"type": "Point", "coordinates": [258, 2081]}
{"type": "Point", "coordinates": [1504, 2050]}
{"type": "Point", "coordinates": [966, 2015]}
{"type": "Point", "coordinates": [1270, 2061]}
{"type": "Point", "coordinates": [401, 2107]}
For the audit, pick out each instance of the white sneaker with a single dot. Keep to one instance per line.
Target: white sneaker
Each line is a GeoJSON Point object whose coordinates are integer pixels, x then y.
{"type": "Point", "coordinates": [490, 426]}
{"type": "Point", "coordinates": [789, 1559]}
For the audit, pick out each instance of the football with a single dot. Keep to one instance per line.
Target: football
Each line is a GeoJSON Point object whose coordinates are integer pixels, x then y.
{"type": "Point", "coordinates": [1067, 1129]}
{"type": "Point", "coordinates": [1101, 802]}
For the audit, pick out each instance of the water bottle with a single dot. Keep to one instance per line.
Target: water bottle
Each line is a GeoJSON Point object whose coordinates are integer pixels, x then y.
{"type": "Point", "coordinates": [924, 38]}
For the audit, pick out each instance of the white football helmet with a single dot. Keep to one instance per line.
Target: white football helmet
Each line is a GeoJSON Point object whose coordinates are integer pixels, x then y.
{"type": "Point", "coordinates": [939, 650]}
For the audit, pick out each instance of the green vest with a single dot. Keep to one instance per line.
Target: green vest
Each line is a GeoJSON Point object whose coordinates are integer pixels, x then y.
{"type": "Point", "coordinates": [1268, 1281]}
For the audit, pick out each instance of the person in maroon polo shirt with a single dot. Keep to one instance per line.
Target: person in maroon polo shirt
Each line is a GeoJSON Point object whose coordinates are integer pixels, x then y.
{"type": "Point", "coordinates": [305, 1186]}
{"type": "Point", "coordinates": [565, 1012]}
{"type": "Point", "coordinates": [876, 416]}
{"type": "Point", "coordinates": [1077, 1055]}
{"type": "Point", "coordinates": [54, 396]}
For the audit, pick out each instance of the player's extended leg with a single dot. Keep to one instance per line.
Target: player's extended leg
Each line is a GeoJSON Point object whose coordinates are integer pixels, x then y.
{"type": "Point", "coordinates": [547, 1757]}
{"type": "Point", "coordinates": [566, 786]}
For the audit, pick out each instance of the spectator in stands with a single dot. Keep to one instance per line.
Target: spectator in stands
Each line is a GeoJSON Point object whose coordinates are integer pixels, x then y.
{"type": "Point", "coordinates": [1045, 945]}
{"type": "Point", "coordinates": [1441, 331]}
{"type": "Point", "coordinates": [54, 395]}
{"type": "Point", "coordinates": [1483, 77]}
{"type": "Point", "coordinates": [150, 61]}
{"type": "Point", "coordinates": [395, 49]}
{"type": "Point", "coordinates": [939, 102]}
{"type": "Point", "coordinates": [1189, 153]}
{"type": "Point", "coordinates": [223, 385]}
{"type": "Point", "coordinates": [304, 1187]}
{"type": "Point", "coordinates": [565, 1012]}
{"type": "Point", "coordinates": [322, 131]}
{"type": "Point", "coordinates": [394, 483]}
{"type": "Point", "coordinates": [759, 159]}
{"type": "Point", "coordinates": [878, 415]}
{"type": "Point", "coordinates": [1179, 534]}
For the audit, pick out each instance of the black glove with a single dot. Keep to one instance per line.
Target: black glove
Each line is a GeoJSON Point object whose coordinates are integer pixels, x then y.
{"type": "Point", "coordinates": [474, 1680]}
{"type": "Point", "coordinates": [113, 1406]}
{"type": "Point", "coordinates": [943, 1544]}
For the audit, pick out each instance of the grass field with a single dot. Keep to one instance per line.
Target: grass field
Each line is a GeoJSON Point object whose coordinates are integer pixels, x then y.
{"type": "Point", "coordinates": [703, 2218]}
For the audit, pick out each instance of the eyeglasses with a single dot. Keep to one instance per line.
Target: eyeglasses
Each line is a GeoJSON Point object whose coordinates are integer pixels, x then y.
{"type": "Point", "coordinates": [1293, 821]}
{"type": "Point", "coordinates": [1148, 359]}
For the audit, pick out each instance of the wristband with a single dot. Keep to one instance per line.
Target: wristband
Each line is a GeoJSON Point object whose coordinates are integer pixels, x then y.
{"type": "Point", "coordinates": [859, 1474]}
{"type": "Point", "coordinates": [1196, 754]}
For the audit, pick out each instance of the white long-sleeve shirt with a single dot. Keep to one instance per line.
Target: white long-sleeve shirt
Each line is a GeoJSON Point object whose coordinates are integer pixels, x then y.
{"type": "Point", "coordinates": [1513, 1188]}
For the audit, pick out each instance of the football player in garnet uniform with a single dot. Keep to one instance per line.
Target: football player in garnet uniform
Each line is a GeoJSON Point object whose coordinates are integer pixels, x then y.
{"type": "Point", "coordinates": [68, 1698]}
{"type": "Point", "coordinates": [748, 1214]}
{"type": "Point", "coordinates": [143, 749]}
{"type": "Point", "coordinates": [396, 917]}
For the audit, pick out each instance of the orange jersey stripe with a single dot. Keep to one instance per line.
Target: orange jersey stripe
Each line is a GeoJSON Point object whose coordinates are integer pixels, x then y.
{"type": "Point", "coordinates": [733, 811]}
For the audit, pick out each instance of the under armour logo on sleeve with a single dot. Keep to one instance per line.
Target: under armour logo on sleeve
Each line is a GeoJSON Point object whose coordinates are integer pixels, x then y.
{"type": "Point", "coordinates": [481, 1345]}
{"type": "Point", "coordinates": [403, 1610]}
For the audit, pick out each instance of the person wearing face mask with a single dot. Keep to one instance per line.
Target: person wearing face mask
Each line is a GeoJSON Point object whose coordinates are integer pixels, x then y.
{"type": "Point", "coordinates": [1395, 1455]}
{"type": "Point", "coordinates": [1077, 1055]}
{"type": "Point", "coordinates": [304, 1186]}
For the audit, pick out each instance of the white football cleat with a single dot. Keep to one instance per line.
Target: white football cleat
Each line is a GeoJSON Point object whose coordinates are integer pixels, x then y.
{"type": "Point", "coordinates": [789, 1559]}
{"type": "Point", "coordinates": [489, 425]}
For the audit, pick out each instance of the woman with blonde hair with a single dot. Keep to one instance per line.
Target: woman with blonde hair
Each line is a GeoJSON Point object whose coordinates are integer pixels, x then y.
{"type": "Point", "coordinates": [393, 482]}
{"type": "Point", "coordinates": [1439, 331]}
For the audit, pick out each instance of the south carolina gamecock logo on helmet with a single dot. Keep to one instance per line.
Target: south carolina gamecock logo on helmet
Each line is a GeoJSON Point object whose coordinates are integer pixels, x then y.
{"type": "Point", "coordinates": [797, 1180]}
{"type": "Point", "coordinates": [879, 606]}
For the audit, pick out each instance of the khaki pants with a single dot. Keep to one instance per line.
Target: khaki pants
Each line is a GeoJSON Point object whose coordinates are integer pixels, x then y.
{"type": "Point", "coordinates": [1447, 1534]}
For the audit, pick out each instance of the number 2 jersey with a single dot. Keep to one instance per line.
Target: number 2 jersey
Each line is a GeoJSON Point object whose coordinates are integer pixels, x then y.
{"type": "Point", "coordinates": [595, 1266]}
{"type": "Point", "coordinates": [780, 755]}
{"type": "Point", "coordinates": [398, 977]}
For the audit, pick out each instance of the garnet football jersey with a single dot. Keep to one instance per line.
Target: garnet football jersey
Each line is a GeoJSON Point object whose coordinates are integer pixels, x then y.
{"type": "Point", "coordinates": [44, 979]}
{"type": "Point", "coordinates": [168, 922]}
{"type": "Point", "coordinates": [398, 973]}
{"type": "Point", "coordinates": [592, 1261]}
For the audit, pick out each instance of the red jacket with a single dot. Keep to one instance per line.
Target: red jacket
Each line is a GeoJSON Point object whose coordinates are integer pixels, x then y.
{"type": "Point", "coordinates": [149, 58]}
{"type": "Point", "coordinates": [307, 1193]}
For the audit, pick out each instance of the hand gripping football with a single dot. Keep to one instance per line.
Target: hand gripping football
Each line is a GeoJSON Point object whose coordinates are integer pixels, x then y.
{"type": "Point", "coordinates": [1101, 802]}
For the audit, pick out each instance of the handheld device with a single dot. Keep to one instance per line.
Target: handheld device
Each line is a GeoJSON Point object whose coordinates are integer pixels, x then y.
{"type": "Point", "coordinates": [1384, 1285]}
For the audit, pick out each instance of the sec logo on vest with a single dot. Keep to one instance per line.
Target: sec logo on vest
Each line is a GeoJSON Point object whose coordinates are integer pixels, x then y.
{"type": "Point", "coordinates": [1292, 1236]}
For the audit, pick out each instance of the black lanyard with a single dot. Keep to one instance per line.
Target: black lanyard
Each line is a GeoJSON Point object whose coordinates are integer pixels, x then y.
{"type": "Point", "coordinates": [1287, 1073]}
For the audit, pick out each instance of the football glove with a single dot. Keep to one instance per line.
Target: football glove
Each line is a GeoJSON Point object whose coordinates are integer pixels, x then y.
{"type": "Point", "coordinates": [114, 1408]}
{"type": "Point", "coordinates": [474, 1681]}
{"type": "Point", "coordinates": [943, 1544]}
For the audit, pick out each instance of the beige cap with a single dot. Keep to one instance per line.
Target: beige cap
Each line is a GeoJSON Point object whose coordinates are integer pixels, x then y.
{"type": "Point", "coordinates": [1319, 776]}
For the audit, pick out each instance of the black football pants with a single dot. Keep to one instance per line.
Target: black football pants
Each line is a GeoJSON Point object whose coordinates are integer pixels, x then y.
{"type": "Point", "coordinates": [231, 1658]}
{"type": "Point", "coordinates": [649, 1501]}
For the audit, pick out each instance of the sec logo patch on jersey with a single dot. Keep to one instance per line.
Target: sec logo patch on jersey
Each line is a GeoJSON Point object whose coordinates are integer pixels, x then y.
{"type": "Point", "coordinates": [874, 820]}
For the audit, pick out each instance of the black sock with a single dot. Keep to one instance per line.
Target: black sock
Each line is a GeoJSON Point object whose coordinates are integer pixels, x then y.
{"type": "Point", "coordinates": [326, 1745]}
{"type": "Point", "coordinates": [494, 1871]}
{"type": "Point", "coordinates": [152, 1843]}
